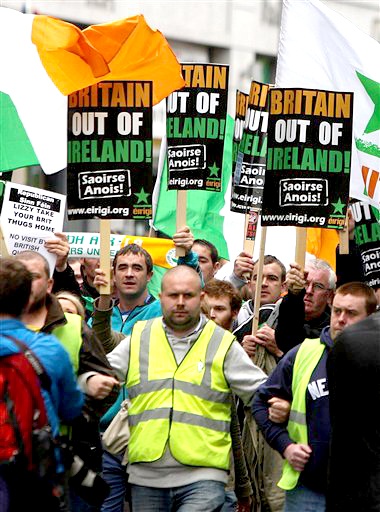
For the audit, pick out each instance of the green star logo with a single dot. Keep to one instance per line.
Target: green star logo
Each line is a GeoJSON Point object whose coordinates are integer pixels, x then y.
{"type": "Point", "coordinates": [214, 170]}
{"type": "Point", "coordinates": [373, 90]}
{"type": "Point", "coordinates": [338, 207]}
{"type": "Point", "coordinates": [142, 196]}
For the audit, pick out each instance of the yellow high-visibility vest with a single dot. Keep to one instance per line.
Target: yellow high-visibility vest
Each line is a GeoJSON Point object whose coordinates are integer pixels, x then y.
{"type": "Point", "coordinates": [307, 358]}
{"type": "Point", "coordinates": [185, 406]}
{"type": "Point", "coordinates": [70, 336]}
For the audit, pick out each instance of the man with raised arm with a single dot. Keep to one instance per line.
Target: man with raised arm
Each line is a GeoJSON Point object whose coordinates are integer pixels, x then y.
{"type": "Point", "coordinates": [301, 378]}
{"type": "Point", "coordinates": [180, 371]}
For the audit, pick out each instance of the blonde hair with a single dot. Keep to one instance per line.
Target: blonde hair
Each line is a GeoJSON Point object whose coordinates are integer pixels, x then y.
{"type": "Point", "coordinates": [74, 299]}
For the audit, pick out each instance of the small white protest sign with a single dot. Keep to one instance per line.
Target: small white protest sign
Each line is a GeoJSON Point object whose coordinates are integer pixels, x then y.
{"type": "Point", "coordinates": [29, 217]}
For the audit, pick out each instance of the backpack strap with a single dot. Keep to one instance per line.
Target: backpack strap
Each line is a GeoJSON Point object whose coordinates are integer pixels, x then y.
{"type": "Point", "coordinates": [34, 361]}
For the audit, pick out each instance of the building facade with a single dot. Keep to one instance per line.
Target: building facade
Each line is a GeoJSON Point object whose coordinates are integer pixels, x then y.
{"type": "Point", "coordinates": [241, 33]}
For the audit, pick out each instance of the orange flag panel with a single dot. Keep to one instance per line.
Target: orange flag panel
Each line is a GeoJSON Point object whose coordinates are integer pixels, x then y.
{"type": "Point", "coordinates": [127, 49]}
{"type": "Point", "coordinates": [322, 243]}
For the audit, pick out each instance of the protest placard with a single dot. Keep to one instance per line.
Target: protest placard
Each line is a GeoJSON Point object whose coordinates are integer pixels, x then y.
{"type": "Point", "coordinates": [29, 217]}
{"type": "Point", "coordinates": [195, 127]}
{"type": "Point", "coordinates": [241, 108]}
{"type": "Point", "coordinates": [249, 176]}
{"type": "Point", "coordinates": [367, 237]}
{"type": "Point", "coordinates": [308, 158]}
{"type": "Point", "coordinates": [109, 171]}
{"type": "Point", "coordinates": [251, 227]}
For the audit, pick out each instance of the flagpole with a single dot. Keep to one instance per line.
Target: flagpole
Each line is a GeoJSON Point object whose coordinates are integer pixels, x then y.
{"type": "Point", "coordinates": [344, 247]}
{"type": "Point", "coordinates": [3, 246]}
{"type": "Point", "coordinates": [181, 217]}
{"type": "Point", "coordinates": [300, 246]}
{"type": "Point", "coordinates": [105, 246]}
{"type": "Point", "coordinates": [28, 7]}
{"type": "Point", "coordinates": [259, 278]}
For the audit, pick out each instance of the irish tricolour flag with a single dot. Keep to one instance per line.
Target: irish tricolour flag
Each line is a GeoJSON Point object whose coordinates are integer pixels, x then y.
{"type": "Point", "coordinates": [44, 59]}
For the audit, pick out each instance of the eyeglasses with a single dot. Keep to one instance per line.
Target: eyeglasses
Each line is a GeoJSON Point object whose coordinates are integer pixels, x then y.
{"type": "Point", "coordinates": [316, 287]}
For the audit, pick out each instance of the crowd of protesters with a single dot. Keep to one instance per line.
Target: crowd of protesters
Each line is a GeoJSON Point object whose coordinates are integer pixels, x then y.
{"type": "Point", "coordinates": [230, 407]}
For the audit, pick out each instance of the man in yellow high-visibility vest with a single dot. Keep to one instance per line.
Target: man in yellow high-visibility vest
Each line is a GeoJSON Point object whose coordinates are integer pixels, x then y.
{"type": "Point", "coordinates": [301, 378]}
{"type": "Point", "coordinates": [180, 370]}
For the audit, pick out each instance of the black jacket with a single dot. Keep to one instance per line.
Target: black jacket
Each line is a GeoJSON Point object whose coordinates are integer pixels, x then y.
{"type": "Point", "coordinates": [353, 370]}
{"type": "Point", "coordinates": [292, 327]}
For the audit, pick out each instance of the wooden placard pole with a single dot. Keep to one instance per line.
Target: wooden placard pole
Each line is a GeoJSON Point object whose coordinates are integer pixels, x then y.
{"type": "Point", "coordinates": [260, 265]}
{"type": "Point", "coordinates": [181, 216]}
{"type": "Point", "coordinates": [105, 249]}
{"type": "Point", "coordinates": [3, 246]}
{"type": "Point", "coordinates": [344, 243]}
{"type": "Point", "coordinates": [300, 247]}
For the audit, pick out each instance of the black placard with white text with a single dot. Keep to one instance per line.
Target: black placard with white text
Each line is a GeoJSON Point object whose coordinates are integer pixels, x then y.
{"type": "Point", "coordinates": [195, 128]}
{"type": "Point", "coordinates": [308, 158]}
{"type": "Point", "coordinates": [367, 238]}
{"type": "Point", "coordinates": [109, 171]}
{"type": "Point", "coordinates": [249, 176]}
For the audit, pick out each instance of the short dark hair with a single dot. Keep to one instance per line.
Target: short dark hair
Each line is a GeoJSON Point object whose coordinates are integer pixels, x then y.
{"type": "Point", "coordinates": [15, 286]}
{"type": "Point", "coordinates": [32, 255]}
{"type": "Point", "coordinates": [359, 289]}
{"type": "Point", "coordinates": [217, 288]}
{"type": "Point", "coordinates": [134, 249]}
{"type": "Point", "coordinates": [268, 259]}
{"type": "Point", "coordinates": [213, 250]}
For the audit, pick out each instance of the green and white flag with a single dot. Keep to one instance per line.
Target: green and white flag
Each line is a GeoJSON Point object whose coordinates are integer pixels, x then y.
{"type": "Point", "coordinates": [320, 49]}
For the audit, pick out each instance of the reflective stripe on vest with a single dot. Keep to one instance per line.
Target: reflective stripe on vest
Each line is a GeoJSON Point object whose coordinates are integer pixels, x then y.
{"type": "Point", "coordinates": [70, 336]}
{"type": "Point", "coordinates": [307, 358]}
{"type": "Point", "coordinates": [186, 405]}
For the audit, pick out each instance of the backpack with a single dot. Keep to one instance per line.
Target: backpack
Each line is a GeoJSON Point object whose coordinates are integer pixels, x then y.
{"type": "Point", "coordinates": [22, 410]}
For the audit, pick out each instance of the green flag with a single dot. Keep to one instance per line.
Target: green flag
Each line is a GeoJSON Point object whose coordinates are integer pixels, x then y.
{"type": "Point", "coordinates": [16, 149]}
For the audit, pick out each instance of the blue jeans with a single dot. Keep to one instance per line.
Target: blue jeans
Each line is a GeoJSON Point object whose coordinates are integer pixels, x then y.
{"type": "Point", "coordinates": [205, 496]}
{"type": "Point", "coordinates": [77, 504]}
{"type": "Point", "coordinates": [230, 504]}
{"type": "Point", "coordinates": [4, 495]}
{"type": "Point", "coordinates": [116, 477]}
{"type": "Point", "coordinates": [303, 499]}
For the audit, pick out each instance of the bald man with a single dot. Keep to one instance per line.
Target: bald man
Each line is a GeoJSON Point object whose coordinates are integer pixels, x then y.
{"type": "Point", "coordinates": [180, 370]}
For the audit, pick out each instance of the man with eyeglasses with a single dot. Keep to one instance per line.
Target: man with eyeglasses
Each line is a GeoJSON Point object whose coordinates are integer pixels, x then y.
{"type": "Point", "coordinates": [305, 311]}
{"type": "Point", "coordinates": [300, 378]}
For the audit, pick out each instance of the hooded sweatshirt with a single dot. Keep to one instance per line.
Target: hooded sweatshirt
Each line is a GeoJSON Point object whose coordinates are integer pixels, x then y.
{"type": "Point", "coordinates": [64, 401]}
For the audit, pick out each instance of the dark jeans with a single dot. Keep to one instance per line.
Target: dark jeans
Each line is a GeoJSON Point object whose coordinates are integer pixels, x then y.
{"type": "Point", "coordinates": [22, 490]}
{"type": "Point", "coordinates": [205, 496]}
{"type": "Point", "coordinates": [116, 477]}
{"type": "Point", "coordinates": [303, 498]}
